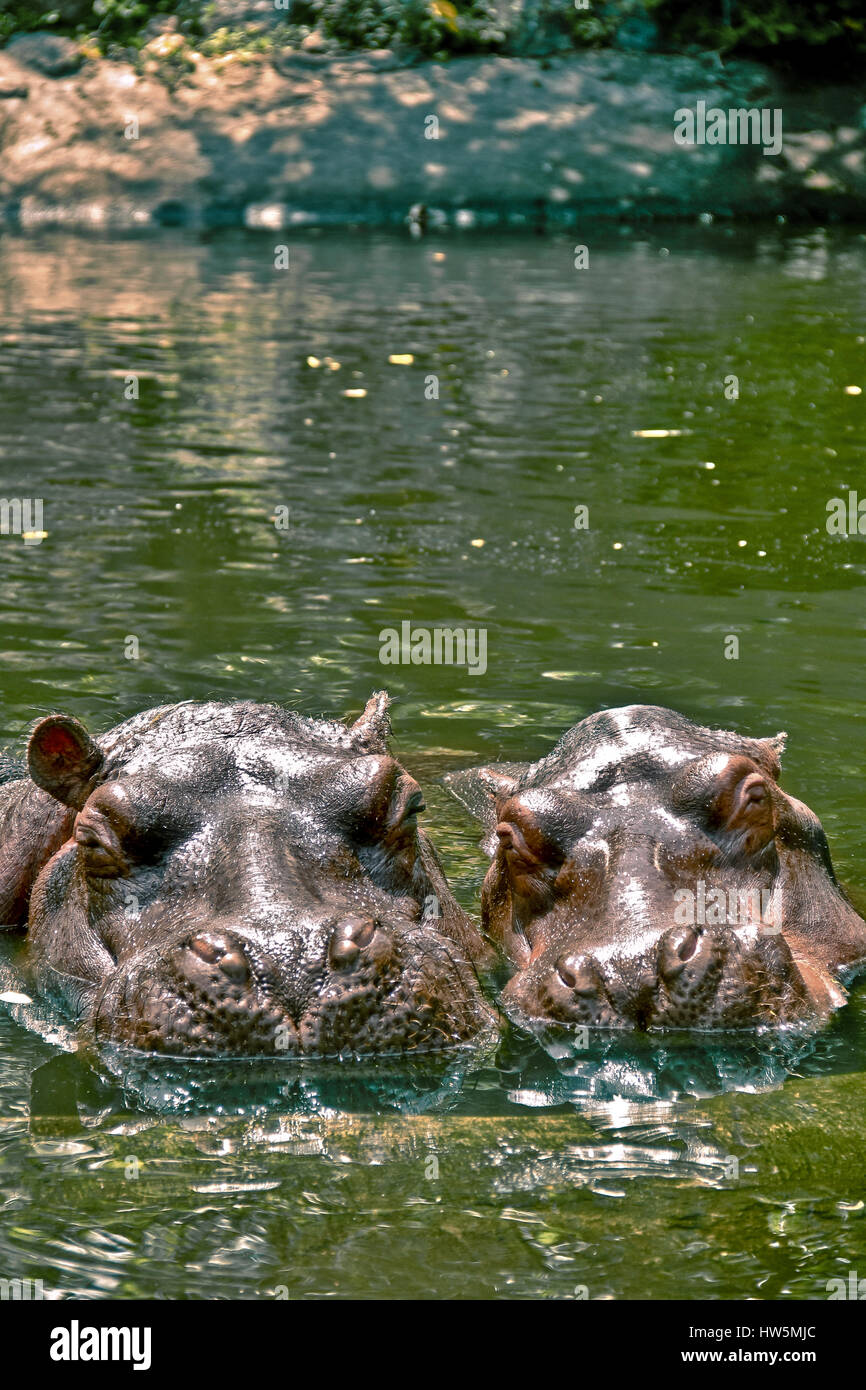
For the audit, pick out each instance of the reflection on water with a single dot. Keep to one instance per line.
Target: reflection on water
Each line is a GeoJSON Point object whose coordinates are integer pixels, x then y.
{"type": "Point", "coordinates": [610, 1066]}
{"type": "Point", "coordinates": [657, 1167]}
{"type": "Point", "coordinates": [506, 1187]}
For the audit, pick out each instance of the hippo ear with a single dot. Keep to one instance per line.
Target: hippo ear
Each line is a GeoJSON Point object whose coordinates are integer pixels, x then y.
{"type": "Point", "coordinates": [372, 730]}
{"type": "Point", "coordinates": [772, 750]}
{"type": "Point", "coordinates": [63, 759]}
{"type": "Point", "coordinates": [480, 788]}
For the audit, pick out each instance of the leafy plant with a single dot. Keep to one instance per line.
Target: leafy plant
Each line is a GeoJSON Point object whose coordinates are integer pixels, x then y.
{"type": "Point", "coordinates": [789, 29]}
{"type": "Point", "coordinates": [431, 26]}
{"type": "Point", "coordinates": [811, 34]}
{"type": "Point", "coordinates": [114, 20]}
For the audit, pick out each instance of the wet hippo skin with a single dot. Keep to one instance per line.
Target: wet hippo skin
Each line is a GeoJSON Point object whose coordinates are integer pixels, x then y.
{"type": "Point", "coordinates": [235, 879]}
{"type": "Point", "coordinates": [650, 873]}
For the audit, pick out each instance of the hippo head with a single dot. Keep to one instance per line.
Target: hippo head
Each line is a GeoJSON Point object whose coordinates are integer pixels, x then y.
{"type": "Point", "coordinates": [235, 879]}
{"type": "Point", "coordinates": [649, 873]}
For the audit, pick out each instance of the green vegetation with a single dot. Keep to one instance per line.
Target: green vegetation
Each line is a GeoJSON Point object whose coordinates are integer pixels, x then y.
{"type": "Point", "coordinates": [828, 34]}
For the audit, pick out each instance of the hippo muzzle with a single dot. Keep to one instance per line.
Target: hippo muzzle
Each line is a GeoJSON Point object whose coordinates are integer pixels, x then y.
{"type": "Point", "coordinates": [346, 985]}
{"type": "Point", "coordinates": [693, 977]}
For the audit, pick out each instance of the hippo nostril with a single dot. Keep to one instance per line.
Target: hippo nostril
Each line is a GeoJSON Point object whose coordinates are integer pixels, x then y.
{"type": "Point", "coordinates": [342, 951]}
{"type": "Point", "coordinates": [349, 939]}
{"type": "Point", "coordinates": [578, 973]}
{"type": "Point", "coordinates": [234, 965]}
{"type": "Point", "coordinates": [681, 947]}
{"type": "Point", "coordinates": [565, 974]}
{"type": "Point", "coordinates": [209, 954]}
{"type": "Point", "coordinates": [688, 945]}
{"type": "Point", "coordinates": [208, 948]}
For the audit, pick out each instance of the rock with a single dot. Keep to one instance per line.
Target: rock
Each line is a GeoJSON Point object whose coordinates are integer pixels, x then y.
{"type": "Point", "coordinates": [314, 42]}
{"type": "Point", "coordinates": [290, 61]}
{"type": "Point", "coordinates": [13, 79]}
{"type": "Point", "coordinates": [48, 53]}
{"type": "Point", "coordinates": [600, 143]}
{"type": "Point", "coordinates": [164, 46]}
{"type": "Point", "coordinates": [387, 59]}
{"type": "Point", "coordinates": [372, 60]}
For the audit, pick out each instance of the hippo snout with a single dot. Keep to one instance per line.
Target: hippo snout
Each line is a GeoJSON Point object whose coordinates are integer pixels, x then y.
{"type": "Point", "coordinates": [692, 977]}
{"type": "Point", "coordinates": [582, 988]}
{"type": "Point", "coordinates": [346, 983]}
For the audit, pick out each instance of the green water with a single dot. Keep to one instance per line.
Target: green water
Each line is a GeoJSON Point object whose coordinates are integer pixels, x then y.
{"type": "Point", "coordinates": [510, 1174]}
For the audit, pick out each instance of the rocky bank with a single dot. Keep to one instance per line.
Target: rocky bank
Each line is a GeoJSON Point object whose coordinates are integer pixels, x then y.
{"type": "Point", "coordinates": [309, 138]}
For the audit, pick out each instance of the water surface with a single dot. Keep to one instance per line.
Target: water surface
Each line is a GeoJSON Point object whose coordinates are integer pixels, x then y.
{"type": "Point", "coordinates": [653, 1168]}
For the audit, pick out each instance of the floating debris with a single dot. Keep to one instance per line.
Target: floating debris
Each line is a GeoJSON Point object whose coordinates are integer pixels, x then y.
{"type": "Point", "coordinates": [401, 359]}
{"type": "Point", "coordinates": [356, 392]}
{"type": "Point", "coordinates": [11, 996]}
{"type": "Point", "coordinates": [655, 434]}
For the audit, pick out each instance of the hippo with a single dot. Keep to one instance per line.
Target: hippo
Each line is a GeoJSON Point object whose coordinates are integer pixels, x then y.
{"type": "Point", "coordinates": [649, 873]}
{"type": "Point", "coordinates": [217, 879]}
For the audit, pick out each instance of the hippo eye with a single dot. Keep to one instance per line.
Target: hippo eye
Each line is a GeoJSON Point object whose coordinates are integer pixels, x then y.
{"type": "Point", "coordinates": [735, 802]}
{"type": "Point", "coordinates": [528, 839]}
{"type": "Point", "coordinates": [99, 845]}
{"type": "Point", "coordinates": [531, 859]}
{"type": "Point", "coordinates": [742, 803]}
{"type": "Point", "coordinates": [379, 799]}
{"type": "Point", "coordinates": [123, 824]}
{"type": "Point", "coordinates": [513, 844]}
